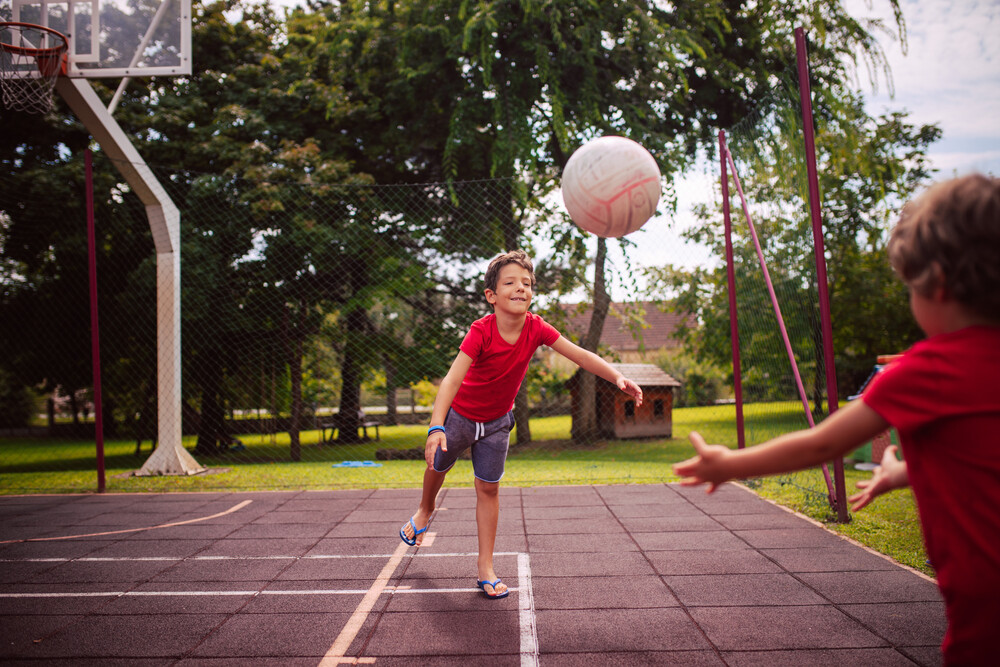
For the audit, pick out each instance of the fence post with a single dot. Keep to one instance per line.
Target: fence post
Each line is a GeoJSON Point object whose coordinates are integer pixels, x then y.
{"type": "Point", "coordinates": [95, 338]}
{"type": "Point", "coordinates": [734, 331]}
{"type": "Point", "coordinates": [805, 96]}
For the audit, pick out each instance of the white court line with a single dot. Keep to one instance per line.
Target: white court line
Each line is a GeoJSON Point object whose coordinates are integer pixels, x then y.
{"type": "Point", "coordinates": [526, 613]}
{"type": "Point", "coordinates": [129, 559]}
{"type": "Point", "coordinates": [133, 530]}
{"type": "Point", "coordinates": [389, 590]}
{"type": "Point", "coordinates": [335, 655]}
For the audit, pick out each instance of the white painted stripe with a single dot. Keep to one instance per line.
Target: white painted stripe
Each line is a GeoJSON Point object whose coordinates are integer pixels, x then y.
{"type": "Point", "coordinates": [526, 615]}
{"type": "Point", "coordinates": [343, 642]}
{"type": "Point", "coordinates": [232, 509]}
{"type": "Point", "coordinates": [389, 590]}
{"type": "Point", "coordinates": [136, 559]}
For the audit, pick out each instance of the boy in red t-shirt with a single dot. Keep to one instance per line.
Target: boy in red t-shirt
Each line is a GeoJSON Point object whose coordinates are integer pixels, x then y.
{"type": "Point", "coordinates": [941, 397]}
{"type": "Point", "coordinates": [474, 402]}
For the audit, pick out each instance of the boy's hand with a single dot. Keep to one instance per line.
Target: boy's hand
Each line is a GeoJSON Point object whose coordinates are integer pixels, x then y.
{"type": "Point", "coordinates": [434, 440]}
{"type": "Point", "coordinates": [891, 474]}
{"type": "Point", "coordinates": [630, 388]}
{"type": "Point", "coordinates": [706, 467]}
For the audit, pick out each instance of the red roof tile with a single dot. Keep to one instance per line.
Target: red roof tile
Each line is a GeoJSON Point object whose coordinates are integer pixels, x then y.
{"type": "Point", "coordinates": [659, 331]}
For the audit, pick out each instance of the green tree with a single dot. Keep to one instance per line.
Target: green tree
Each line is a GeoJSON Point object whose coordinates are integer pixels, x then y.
{"type": "Point", "coordinates": [45, 304]}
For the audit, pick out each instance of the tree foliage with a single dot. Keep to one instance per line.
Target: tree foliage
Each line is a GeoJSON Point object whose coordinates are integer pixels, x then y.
{"type": "Point", "coordinates": [285, 147]}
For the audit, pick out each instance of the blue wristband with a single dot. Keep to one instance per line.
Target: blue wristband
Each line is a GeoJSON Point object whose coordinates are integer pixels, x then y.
{"type": "Point", "coordinates": [435, 428]}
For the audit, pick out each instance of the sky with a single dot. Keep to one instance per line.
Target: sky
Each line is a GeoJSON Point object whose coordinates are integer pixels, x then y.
{"type": "Point", "coordinates": [950, 75]}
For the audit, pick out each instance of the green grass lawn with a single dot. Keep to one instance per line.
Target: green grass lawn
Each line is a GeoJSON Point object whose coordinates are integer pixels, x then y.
{"type": "Point", "coordinates": [41, 465]}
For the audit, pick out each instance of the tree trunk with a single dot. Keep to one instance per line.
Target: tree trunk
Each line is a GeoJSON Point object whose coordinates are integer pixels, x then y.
{"type": "Point", "coordinates": [585, 429]}
{"type": "Point", "coordinates": [109, 425]}
{"type": "Point", "coordinates": [295, 372]}
{"type": "Point", "coordinates": [819, 378]}
{"type": "Point", "coordinates": [350, 374]}
{"type": "Point", "coordinates": [390, 392]}
{"type": "Point", "coordinates": [211, 427]}
{"type": "Point", "coordinates": [522, 417]}
{"type": "Point", "coordinates": [75, 409]}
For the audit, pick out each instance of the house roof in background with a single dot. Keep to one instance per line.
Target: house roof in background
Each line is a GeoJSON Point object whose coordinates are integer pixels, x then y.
{"type": "Point", "coordinates": [660, 332]}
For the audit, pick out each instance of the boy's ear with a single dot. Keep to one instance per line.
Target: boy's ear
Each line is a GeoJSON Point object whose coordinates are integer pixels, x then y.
{"type": "Point", "coordinates": [939, 292]}
{"type": "Point", "coordinates": [491, 296]}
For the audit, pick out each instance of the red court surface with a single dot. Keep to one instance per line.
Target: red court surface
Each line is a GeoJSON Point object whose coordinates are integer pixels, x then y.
{"type": "Point", "coordinates": [600, 575]}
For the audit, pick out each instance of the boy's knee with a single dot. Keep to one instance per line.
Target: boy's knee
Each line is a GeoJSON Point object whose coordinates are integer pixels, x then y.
{"type": "Point", "coordinates": [487, 488]}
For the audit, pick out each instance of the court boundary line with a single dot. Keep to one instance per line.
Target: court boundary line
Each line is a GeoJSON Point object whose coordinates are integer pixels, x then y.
{"type": "Point", "coordinates": [119, 559]}
{"type": "Point", "coordinates": [526, 612]}
{"type": "Point", "coordinates": [389, 590]}
{"type": "Point", "coordinates": [232, 509]}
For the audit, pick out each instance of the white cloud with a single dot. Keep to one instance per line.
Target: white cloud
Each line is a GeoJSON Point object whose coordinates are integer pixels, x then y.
{"type": "Point", "coordinates": [950, 76]}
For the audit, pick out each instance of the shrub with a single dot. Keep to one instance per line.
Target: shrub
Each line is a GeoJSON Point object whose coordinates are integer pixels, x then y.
{"type": "Point", "coordinates": [702, 383]}
{"type": "Point", "coordinates": [17, 403]}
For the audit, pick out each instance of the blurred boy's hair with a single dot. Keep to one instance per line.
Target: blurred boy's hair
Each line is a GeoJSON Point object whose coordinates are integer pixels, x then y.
{"type": "Point", "coordinates": [950, 237]}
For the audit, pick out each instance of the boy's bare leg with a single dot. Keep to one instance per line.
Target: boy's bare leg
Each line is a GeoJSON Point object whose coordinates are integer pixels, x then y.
{"type": "Point", "coordinates": [428, 499]}
{"type": "Point", "coordinates": [487, 515]}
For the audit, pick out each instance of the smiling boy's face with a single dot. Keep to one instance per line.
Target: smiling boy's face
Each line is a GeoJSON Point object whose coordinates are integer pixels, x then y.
{"type": "Point", "coordinates": [513, 292]}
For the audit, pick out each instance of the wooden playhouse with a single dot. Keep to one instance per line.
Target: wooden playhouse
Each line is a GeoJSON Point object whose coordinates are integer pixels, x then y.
{"type": "Point", "coordinates": [617, 414]}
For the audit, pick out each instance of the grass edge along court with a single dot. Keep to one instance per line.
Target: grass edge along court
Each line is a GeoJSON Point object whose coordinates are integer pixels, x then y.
{"type": "Point", "coordinates": [890, 525]}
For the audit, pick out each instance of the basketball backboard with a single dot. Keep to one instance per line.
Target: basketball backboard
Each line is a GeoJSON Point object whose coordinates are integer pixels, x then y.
{"type": "Point", "coordinates": [115, 38]}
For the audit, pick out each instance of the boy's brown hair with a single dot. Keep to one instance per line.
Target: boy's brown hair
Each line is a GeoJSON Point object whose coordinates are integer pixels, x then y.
{"type": "Point", "coordinates": [518, 257]}
{"type": "Point", "coordinates": [950, 237]}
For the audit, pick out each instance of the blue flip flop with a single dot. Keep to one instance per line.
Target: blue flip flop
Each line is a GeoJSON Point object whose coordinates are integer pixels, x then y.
{"type": "Point", "coordinates": [485, 582]}
{"type": "Point", "coordinates": [416, 533]}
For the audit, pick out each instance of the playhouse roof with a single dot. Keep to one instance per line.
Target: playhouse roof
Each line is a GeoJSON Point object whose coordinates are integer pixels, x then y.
{"type": "Point", "coordinates": [644, 375]}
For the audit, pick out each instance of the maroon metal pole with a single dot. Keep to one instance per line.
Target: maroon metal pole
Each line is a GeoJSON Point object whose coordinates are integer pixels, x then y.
{"type": "Point", "coordinates": [734, 331]}
{"type": "Point", "coordinates": [95, 341]}
{"type": "Point", "coordinates": [805, 95]}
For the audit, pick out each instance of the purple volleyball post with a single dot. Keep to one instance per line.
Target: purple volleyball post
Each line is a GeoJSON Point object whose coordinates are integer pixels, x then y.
{"type": "Point", "coordinates": [805, 95]}
{"type": "Point", "coordinates": [734, 331]}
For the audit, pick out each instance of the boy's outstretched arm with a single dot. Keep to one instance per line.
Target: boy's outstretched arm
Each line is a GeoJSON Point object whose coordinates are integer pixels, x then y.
{"type": "Point", "coordinates": [592, 363]}
{"type": "Point", "coordinates": [843, 431]}
{"type": "Point", "coordinates": [891, 474]}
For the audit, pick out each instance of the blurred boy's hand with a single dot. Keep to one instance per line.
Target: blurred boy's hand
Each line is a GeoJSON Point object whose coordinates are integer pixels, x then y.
{"type": "Point", "coordinates": [706, 467]}
{"type": "Point", "coordinates": [891, 474]}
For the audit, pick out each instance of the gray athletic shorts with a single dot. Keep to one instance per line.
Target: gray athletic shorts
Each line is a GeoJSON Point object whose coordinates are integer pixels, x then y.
{"type": "Point", "coordinates": [489, 444]}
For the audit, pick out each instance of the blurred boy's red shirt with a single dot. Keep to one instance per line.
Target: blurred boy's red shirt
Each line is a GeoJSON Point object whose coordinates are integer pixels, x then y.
{"type": "Point", "coordinates": [942, 397]}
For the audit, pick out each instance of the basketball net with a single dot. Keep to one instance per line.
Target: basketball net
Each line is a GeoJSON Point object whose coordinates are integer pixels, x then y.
{"type": "Point", "coordinates": [31, 59]}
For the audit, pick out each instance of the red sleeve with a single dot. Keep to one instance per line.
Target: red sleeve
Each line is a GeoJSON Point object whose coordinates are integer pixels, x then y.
{"type": "Point", "coordinates": [906, 393]}
{"type": "Point", "coordinates": [475, 341]}
{"type": "Point", "coordinates": [548, 334]}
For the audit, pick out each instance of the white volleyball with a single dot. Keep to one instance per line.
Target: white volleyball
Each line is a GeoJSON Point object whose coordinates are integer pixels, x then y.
{"type": "Point", "coordinates": [611, 186]}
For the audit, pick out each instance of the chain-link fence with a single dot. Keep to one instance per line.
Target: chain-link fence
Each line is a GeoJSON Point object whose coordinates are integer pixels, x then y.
{"type": "Point", "coordinates": [316, 321]}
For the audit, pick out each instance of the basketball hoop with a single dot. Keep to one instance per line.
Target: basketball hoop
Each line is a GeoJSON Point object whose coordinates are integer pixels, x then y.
{"type": "Point", "coordinates": [31, 58]}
